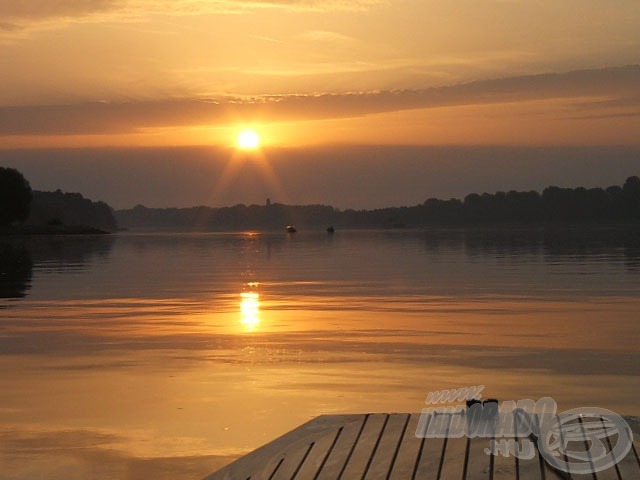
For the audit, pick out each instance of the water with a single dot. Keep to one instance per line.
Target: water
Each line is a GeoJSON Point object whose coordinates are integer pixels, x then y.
{"type": "Point", "coordinates": [168, 355]}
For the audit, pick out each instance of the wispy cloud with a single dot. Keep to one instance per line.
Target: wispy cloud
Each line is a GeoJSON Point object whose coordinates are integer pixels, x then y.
{"type": "Point", "coordinates": [28, 14]}
{"type": "Point", "coordinates": [325, 36]}
{"type": "Point", "coordinates": [617, 86]}
{"type": "Point", "coordinates": [38, 9]}
{"type": "Point", "coordinates": [266, 39]}
{"type": "Point", "coordinates": [19, 16]}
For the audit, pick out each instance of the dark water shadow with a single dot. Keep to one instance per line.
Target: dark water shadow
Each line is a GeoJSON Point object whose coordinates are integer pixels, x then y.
{"type": "Point", "coordinates": [553, 244]}
{"type": "Point", "coordinates": [16, 271]}
{"type": "Point", "coordinates": [66, 253]}
{"type": "Point", "coordinates": [22, 258]}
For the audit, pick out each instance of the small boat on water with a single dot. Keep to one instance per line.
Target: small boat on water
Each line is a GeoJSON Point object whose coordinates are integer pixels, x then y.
{"type": "Point", "coordinates": [291, 229]}
{"type": "Point", "coordinates": [331, 229]}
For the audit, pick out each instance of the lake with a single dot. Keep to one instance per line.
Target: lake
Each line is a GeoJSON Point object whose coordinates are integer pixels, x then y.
{"type": "Point", "coordinates": [164, 355]}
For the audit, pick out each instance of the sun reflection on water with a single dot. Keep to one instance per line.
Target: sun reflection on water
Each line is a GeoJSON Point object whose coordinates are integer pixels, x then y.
{"type": "Point", "coordinates": [250, 309]}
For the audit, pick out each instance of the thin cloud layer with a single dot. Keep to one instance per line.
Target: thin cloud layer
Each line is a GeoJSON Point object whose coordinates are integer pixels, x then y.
{"type": "Point", "coordinates": [604, 88]}
{"type": "Point", "coordinates": [18, 15]}
{"type": "Point", "coordinates": [41, 9]}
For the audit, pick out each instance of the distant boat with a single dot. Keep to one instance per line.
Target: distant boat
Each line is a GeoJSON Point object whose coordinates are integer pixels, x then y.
{"type": "Point", "coordinates": [331, 229]}
{"type": "Point", "coordinates": [291, 229]}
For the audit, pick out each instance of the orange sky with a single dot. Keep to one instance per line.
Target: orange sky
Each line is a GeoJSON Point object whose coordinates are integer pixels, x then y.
{"type": "Point", "coordinates": [363, 103]}
{"type": "Point", "coordinates": [309, 72]}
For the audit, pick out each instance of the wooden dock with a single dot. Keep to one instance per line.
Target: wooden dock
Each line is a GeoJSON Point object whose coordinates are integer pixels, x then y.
{"type": "Point", "coordinates": [385, 447]}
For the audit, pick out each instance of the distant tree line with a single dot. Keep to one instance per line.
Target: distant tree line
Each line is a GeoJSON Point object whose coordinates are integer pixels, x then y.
{"type": "Point", "coordinates": [614, 204]}
{"type": "Point", "coordinates": [240, 216]}
{"type": "Point", "coordinates": [559, 204]}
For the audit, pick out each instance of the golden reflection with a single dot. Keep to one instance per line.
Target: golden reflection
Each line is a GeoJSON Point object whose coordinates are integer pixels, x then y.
{"type": "Point", "coordinates": [250, 309]}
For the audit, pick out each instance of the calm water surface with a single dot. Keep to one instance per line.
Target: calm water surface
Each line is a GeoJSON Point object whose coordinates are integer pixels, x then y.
{"type": "Point", "coordinates": [167, 355]}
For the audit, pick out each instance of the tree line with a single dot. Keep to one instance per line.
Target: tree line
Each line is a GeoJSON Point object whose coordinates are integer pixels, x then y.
{"type": "Point", "coordinates": [615, 204]}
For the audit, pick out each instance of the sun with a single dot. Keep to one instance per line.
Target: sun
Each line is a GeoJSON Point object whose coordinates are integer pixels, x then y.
{"type": "Point", "coordinates": [248, 140]}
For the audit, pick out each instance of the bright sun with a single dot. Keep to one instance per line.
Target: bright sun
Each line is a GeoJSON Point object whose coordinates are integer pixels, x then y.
{"type": "Point", "coordinates": [248, 140]}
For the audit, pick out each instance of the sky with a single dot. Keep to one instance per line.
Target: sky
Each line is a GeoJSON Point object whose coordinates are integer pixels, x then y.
{"type": "Point", "coordinates": [95, 93]}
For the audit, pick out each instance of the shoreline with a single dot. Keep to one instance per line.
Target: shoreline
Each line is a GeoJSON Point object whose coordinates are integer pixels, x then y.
{"type": "Point", "coordinates": [27, 230]}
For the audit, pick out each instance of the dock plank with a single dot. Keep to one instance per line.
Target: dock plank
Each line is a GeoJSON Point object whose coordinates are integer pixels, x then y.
{"type": "Point", "coordinates": [479, 461]}
{"type": "Point", "coordinates": [505, 464]}
{"type": "Point", "coordinates": [319, 454]}
{"type": "Point", "coordinates": [430, 460]}
{"type": "Point", "coordinates": [385, 447]}
{"type": "Point", "coordinates": [630, 467]}
{"type": "Point", "coordinates": [385, 455]}
{"type": "Point", "coordinates": [288, 466]}
{"type": "Point", "coordinates": [343, 449]}
{"type": "Point", "coordinates": [453, 467]}
{"type": "Point", "coordinates": [405, 462]}
{"type": "Point", "coordinates": [455, 460]}
{"type": "Point", "coordinates": [530, 469]}
{"type": "Point", "coordinates": [365, 447]}
{"type": "Point", "coordinates": [253, 464]}
{"type": "Point", "coordinates": [548, 472]}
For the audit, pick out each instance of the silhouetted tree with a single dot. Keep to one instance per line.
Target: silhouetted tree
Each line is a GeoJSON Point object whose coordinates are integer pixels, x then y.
{"type": "Point", "coordinates": [15, 196]}
{"type": "Point", "coordinates": [72, 209]}
{"type": "Point", "coordinates": [632, 186]}
{"type": "Point", "coordinates": [631, 193]}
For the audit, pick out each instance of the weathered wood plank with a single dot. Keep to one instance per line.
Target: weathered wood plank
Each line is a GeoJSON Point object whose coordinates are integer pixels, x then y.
{"type": "Point", "coordinates": [289, 465]}
{"type": "Point", "coordinates": [550, 473]}
{"type": "Point", "coordinates": [405, 462]}
{"type": "Point", "coordinates": [385, 454]}
{"type": "Point", "coordinates": [629, 466]}
{"type": "Point", "coordinates": [454, 462]}
{"type": "Point", "coordinates": [453, 467]}
{"type": "Point", "coordinates": [529, 469]}
{"type": "Point", "coordinates": [479, 461]}
{"type": "Point", "coordinates": [504, 464]}
{"type": "Point", "coordinates": [343, 449]}
{"type": "Point", "coordinates": [365, 447]}
{"type": "Point", "coordinates": [430, 460]}
{"type": "Point", "coordinates": [319, 454]}
{"type": "Point", "coordinates": [257, 461]}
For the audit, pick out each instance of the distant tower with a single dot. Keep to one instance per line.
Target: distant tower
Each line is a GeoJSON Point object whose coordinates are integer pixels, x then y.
{"type": "Point", "coordinates": [268, 202]}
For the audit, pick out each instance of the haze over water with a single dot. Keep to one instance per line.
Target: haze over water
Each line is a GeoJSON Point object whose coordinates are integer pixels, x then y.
{"type": "Point", "coordinates": [167, 355]}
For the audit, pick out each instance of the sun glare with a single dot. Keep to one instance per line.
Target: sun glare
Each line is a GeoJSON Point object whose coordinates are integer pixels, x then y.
{"type": "Point", "coordinates": [248, 140]}
{"type": "Point", "coordinates": [250, 309]}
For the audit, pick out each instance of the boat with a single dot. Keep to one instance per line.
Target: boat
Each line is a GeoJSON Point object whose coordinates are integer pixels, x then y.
{"type": "Point", "coordinates": [291, 229]}
{"type": "Point", "coordinates": [331, 229]}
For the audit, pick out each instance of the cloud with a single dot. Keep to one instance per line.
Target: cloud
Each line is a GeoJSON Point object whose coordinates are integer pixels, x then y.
{"type": "Point", "coordinates": [30, 13]}
{"type": "Point", "coordinates": [325, 36]}
{"type": "Point", "coordinates": [614, 86]}
{"type": "Point", "coordinates": [37, 9]}
{"type": "Point", "coordinates": [8, 27]}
